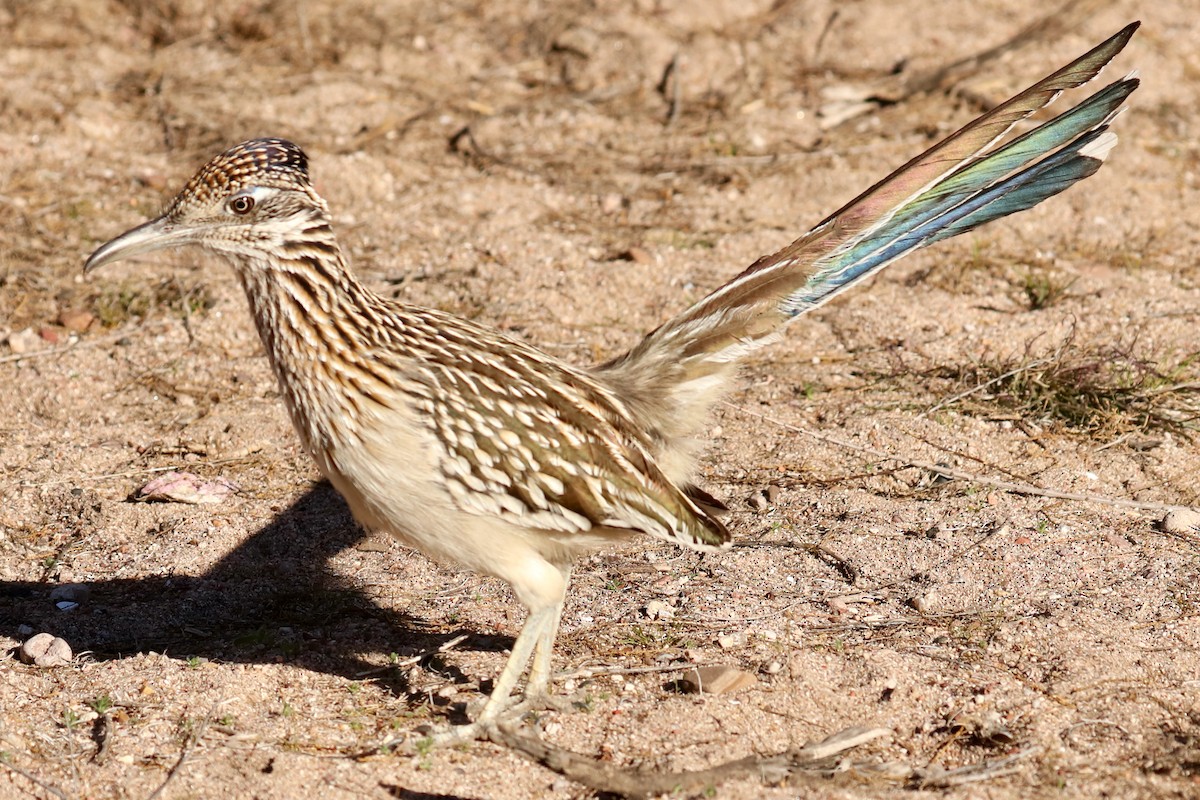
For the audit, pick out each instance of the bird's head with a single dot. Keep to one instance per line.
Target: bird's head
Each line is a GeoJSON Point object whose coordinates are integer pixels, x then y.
{"type": "Point", "coordinates": [248, 201]}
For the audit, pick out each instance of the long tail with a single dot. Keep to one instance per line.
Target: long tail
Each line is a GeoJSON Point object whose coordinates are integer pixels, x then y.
{"type": "Point", "coordinates": [962, 182]}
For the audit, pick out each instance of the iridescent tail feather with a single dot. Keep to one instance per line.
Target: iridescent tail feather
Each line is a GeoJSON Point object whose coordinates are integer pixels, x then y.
{"type": "Point", "coordinates": [964, 181]}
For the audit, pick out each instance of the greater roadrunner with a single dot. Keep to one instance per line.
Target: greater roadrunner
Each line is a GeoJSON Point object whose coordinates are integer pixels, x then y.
{"type": "Point", "coordinates": [477, 448]}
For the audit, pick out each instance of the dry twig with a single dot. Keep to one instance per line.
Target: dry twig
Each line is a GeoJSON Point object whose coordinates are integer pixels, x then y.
{"type": "Point", "coordinates": [643, 783]}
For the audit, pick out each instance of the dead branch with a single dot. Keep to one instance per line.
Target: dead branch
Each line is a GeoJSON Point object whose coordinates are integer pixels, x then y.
{"type": "Point", "coordinates": [638, 783]}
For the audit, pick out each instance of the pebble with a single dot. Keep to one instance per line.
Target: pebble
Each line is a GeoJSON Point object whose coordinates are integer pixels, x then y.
{"type": "Point", "coordinates": [611, 203]}
{"type": "Point", "coordinates": [72, 592]}
{"type": "Point", "coordinates": [1180, 520]}
{"type": "Point", "coordinates": [757, 501]}
{"type": "Point", "coordinates": [76, 320]}
{"type": "Point", "coordinates": [773, 493]}
{"type": "Point", "coordinates": [720, 679]}
{"type": "Point", "coordinates": [25, 341]}
{"type": "Point", "coordinates": [657, 609]}
{"type": "Point", "coordinates": [186, 487]}
{"type": "Point", "coordinates": [731, 640]}
{"type": "Point", "coordinates": [920, 603]}
{"type": "Point", "coordinates": [640, 255]}
{"type": "Point", "coordinates": [45, 650]}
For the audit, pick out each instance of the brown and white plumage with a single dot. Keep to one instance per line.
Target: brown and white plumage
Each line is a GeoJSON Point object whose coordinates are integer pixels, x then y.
{"type": "Point", "coordinates": [477, 448]}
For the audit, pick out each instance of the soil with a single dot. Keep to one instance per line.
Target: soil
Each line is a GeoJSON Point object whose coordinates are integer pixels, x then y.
{"type": "Point", "coordinates": [574, 173]}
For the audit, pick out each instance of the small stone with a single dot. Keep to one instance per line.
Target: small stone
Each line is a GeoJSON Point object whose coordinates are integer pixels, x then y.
{"type": "Point", "coordinates": [24, 630]}
{"type": "Point", "coordinates": [185, 487]}
{"type": "Point", "coordinates": [611, 203]}
{"type": "Point", "coordinates": [934, 531]}
{"type": "Point", "coordinates": [22, 342]}
{"type": "Point", "coordinates": [640, 255]}
{"type": "Point", "coordinates": [50, 335]}
{"type": "Point", "coordinates": [657, 609]}
{"type": "Point", "coordinates": [920, 603]}
{"type": "Point", "coordinates": [153, 179]}
{"type": "Point", "coordinates": [773, 668]}
{"type": "Point", "coordinates": [72, 592]}
{"type": "Point", "coordinates": [375, 543]}
{"type": "Point", "coordinates": [720, 679]}
{"type": "Point", "coordinates": [579, 41]}
{"type": "Point", "coordinates": [1184, 521]}
{"type": "Point", "coordinates": [45, 650]}
{"type": "Point", "coordinates": [66, 605]}
{"type": "Point", "coordinates": [987, 727]}
{"type": "Point", "coordinates": [731, 640]}
{"type": "Point", "coordinates": [76, 320]}
{"type": "Point", "coordinates": [757, 501]}
{"type": "Point", "coordinates": [773, 493]}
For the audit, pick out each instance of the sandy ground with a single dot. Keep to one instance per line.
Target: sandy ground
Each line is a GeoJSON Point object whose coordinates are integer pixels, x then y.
{"type": "Point", "coordinates": [526, 165]}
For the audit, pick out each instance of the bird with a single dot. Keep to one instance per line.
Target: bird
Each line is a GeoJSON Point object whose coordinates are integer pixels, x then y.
{"type": "Point", "coordinates": [478, 449]}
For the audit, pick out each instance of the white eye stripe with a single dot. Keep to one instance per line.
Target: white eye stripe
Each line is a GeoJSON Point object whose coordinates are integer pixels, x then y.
{"type": "Point", "coordinates": [247, 199]}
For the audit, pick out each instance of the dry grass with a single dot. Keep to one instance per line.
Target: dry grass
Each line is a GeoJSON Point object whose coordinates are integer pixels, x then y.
{"type": "Point", "coordinates": [1093, 388]}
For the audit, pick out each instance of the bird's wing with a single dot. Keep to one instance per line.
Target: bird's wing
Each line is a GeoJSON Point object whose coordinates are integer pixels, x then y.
{"type": "Point", "coordinates": [524, 437]}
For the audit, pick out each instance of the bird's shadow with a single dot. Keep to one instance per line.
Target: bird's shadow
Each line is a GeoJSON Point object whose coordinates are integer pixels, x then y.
{"type": "Point", "coordinates": [270, 600]}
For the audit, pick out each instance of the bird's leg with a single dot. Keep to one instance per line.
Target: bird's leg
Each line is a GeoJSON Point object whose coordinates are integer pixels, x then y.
{"type": "Point", "coordinates": [501, 700]}
{"type": "Point", "coordinates": [531, 636]}
{"type": "Point", "coordinates": [537, 689]}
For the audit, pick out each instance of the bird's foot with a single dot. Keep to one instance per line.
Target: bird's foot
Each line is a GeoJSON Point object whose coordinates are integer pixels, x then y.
{"type": "Point", "coordinates": [480, 729]}
{"type": "Point", "coordinates": [427, 737]}
{"type": "Point", "coordinates": [533, 703]}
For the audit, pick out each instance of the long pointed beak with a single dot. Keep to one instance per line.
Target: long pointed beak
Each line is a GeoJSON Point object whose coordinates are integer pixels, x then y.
{"type": "Point", "coordinates": [153, 235]}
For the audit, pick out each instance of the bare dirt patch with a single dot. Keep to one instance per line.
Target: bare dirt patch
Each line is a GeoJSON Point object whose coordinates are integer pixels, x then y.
{"type": "Point", "coordinates": [574, 172]}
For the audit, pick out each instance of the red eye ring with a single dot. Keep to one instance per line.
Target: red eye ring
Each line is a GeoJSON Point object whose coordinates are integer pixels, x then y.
{"type": "Point", "coordinates": [242, 204]}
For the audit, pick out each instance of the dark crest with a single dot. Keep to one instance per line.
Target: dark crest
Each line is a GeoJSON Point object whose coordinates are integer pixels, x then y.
{"type": "Point", "coordinates": [261, 162]}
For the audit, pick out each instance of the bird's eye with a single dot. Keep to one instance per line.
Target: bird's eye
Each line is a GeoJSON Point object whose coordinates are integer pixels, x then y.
{"type": "Point", "coordinates": [242, 204]}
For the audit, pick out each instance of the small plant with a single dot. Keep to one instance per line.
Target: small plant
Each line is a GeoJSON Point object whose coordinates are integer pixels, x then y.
{"type": "Point", "coordinates": [194, 662]}
{"type": "Point", "coordinates": [116, 305]}
{"type": "Point", "coordinates": [101, 704]}
{"type": "Point", "coordinates": [70, 719]}
{"type": "Point", "coordinates": [424, 749]}
{"type": "Point", "coordinates": [1044, 289]}
{"type": "Point", "coordinates": [1103, 389]}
